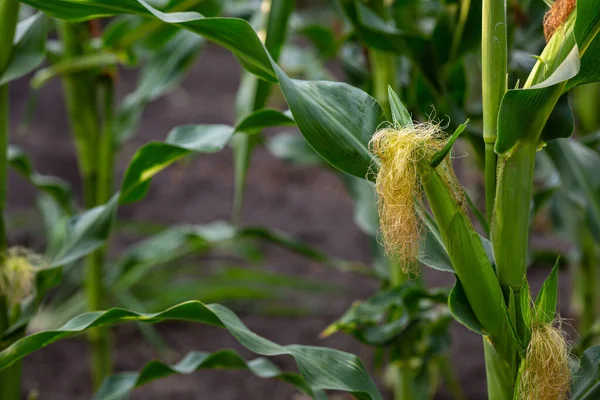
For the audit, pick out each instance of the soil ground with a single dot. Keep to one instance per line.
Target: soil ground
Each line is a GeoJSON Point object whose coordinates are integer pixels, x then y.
{"type": "Point", "coordinates": [309, 203]}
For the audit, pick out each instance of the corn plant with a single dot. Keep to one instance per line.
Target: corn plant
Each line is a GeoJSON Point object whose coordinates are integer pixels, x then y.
{"type": "Point", "coordinates": [411, 163]}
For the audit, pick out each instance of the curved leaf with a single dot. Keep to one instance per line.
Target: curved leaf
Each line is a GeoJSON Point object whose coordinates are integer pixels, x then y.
{"type": "Point", "coordinates": [336, 119]}
{"type": "Point", "coordinates": [232, 33]}
{"type": "Point", "coordinates": [119, 386]}
{"type": "Point", "coordinates": [57, 188]}
{"type": "Point", "coordinates": [461, 309]}
{"type": "Point", "coordinates": [156, 156]}
{"type": "Point", "coordinates": [29, 48]}
{"type": "Point", "coordinates": [322, 368]}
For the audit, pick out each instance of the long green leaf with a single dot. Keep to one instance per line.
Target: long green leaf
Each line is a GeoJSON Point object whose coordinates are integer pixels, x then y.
{"type": "Point", "coordinates": [234, 34]}
{"type": "Point", "coordinates": [119, 386]}
{"type": "Point", "coordinates": [322, 368]}
{"type": "Point", "coordinates": [29, 48]}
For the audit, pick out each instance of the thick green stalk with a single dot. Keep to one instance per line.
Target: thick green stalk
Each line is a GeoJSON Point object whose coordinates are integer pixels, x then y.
{"type": "Point", "coordinates": [92, 146]}
{"type": "Point", "coordinates": [100, 337]}
{"type": "Point", "coordinates": [383, 69]}
{"type": "Point", "coordinates": [10, 379]}
{"type": "Point", "coordinates": [494, 84]}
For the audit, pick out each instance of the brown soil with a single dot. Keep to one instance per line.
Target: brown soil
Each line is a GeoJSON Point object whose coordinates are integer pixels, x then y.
{"type": "Point", "coordinates": [309, 203]}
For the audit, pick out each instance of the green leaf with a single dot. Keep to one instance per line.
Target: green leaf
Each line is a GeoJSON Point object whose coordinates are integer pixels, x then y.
{"type": "Point", "coordinates": [29, 48]}
{"type": "Point", "coordinates": [560, 123]}
{"type": "Point", "coordinates": [87, 233]}
{"type": "Point", "coordinates": [400, 114]}
{"type": "Point", "coordinates": [322, 368]}
{"type": "Point", "coordinates": [156, 156]}
{"type": "Point", "coordinates": [336, 119]}
{"type": "Point", "coordinates": [57, 188]}
{"type": "Point", "coordinates": [461, 309]}
{"type": "Point", "coordinates": [232, 33]}
{"type": "Point", "coordinates": [440, 155]}
{"type": "Point", "coordinates": [119, 386]}
{"type": "Point", "coordinates": [547, 299]}
{"type": "Point", "coordinates": [262, 119]}
{"type": "Point", "coordinates": [432, 252]}
{"type": "Point", "coordinates": [586, 381]}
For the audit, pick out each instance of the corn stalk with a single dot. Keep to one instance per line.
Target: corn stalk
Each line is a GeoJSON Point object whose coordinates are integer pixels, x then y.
{"type": "Point", "coordinates": [94, 151]}
{"type": "Point", "coordinates": [10, 379]}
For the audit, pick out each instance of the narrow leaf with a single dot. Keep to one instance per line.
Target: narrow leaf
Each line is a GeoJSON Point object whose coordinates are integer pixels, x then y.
{"type": "Point", "coordinates": [400, 114]}
{"type": "Point", "coordinates": [440, 155]}
{"type": "Point", "coordinates": [546, 300]}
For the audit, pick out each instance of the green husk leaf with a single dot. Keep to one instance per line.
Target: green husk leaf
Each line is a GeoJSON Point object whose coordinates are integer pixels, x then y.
{"type": "Point", "coordinates": [400, 114]}
{"type": "Point", "coordinates": [547, 299]}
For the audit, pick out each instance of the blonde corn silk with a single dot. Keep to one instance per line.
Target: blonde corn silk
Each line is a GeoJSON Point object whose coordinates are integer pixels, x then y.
{"type": "Point", "coordinates": [547, 373]}
{"type": "Point", "coordinates": [400, 150]}
{"type": "Point", "coordinates": [17, 273]}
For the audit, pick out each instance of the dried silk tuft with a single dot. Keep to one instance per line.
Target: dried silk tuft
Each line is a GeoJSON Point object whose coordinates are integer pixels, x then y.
{"type": "Point", "coordinates": [547, 373]}
{"type": "Point", "coordinates": [557, 15]}
{"type": "Point", "coordinates": [399, 187]}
